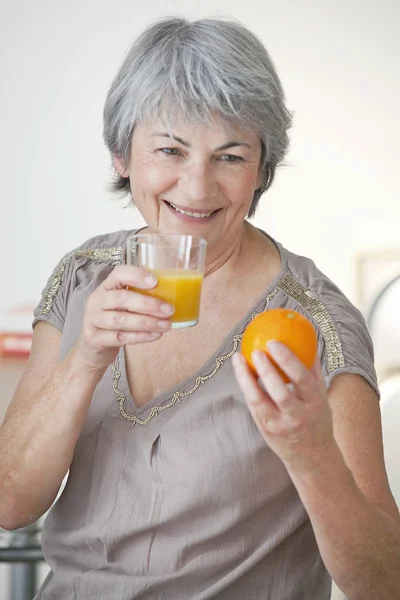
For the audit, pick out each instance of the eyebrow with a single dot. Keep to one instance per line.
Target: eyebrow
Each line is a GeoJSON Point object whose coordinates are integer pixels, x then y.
{"type": "Point", "coordinates": [178, 139]}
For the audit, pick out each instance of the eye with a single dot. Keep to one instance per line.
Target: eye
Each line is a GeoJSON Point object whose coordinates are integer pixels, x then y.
{"type": "Point", "coordinates": [231, 158]}
{"type": "Point", "coordinates": [169, 151]}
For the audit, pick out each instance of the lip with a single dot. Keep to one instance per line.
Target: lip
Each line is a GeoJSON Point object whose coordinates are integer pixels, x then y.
{"type": "Point", "coordinates": [187, 218]}
{"type": "Point", "coordinates": [190, 208]}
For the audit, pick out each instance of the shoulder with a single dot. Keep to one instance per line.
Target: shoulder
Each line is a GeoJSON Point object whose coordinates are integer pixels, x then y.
{"type": "Point", "coordinates": [81, 268]}
{"type": "Point", "coordinates": [95, 253]}
{"type": "Point", "coordinates": [345, 343]}
{"type": "Point", "coordinates": [107, 247]}
{"type": "Point", "coordinates": [87, 262]}
{"type": "Point", "coordinates": [305, 282]}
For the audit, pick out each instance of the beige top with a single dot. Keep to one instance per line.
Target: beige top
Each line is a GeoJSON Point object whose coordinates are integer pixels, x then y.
{"type": "Point", "coordinates": [182, 498]}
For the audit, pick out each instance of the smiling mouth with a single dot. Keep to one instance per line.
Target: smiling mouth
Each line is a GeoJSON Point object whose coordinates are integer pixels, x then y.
{"type": "Point", "coordinates": [195, 215]}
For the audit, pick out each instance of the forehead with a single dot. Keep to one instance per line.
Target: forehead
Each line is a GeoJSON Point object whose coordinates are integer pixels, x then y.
{"type": "Point", "coordinates": [216, 128]}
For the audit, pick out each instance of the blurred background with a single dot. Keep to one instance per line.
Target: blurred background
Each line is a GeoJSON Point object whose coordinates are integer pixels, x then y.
{"type": "Point", "coordinates": [336, 199]}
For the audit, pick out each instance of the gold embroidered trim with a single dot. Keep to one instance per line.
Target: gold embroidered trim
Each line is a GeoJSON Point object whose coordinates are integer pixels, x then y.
{"type": "Point", "coordinates": [102, 254]}
{"type": "Point", "coordinates": [334, 353]}
{"type": "Point", "coordinates": [53, 288]}
{"type": "Point", "coordinates": [113, 255]}
{"type": "Point", "coordinates": [177, 396]}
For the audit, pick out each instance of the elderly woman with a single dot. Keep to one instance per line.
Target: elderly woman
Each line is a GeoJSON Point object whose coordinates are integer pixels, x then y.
{"type": "Point", "coordinates": [188, 476]}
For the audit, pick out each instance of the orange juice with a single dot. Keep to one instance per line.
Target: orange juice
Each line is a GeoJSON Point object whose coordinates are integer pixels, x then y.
{"type": "Point", "coordinates": [182, 289]}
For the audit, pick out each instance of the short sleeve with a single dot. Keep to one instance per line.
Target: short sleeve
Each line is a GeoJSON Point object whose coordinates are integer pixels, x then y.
{"type": "Point", "coordinates": [344, 342]}
{"type": "Point", "coordinates": [81, 270]}
{"type": "Point", "coordinates": [52, 307]}
{"type": "Point", "coordinates": [356, 345]}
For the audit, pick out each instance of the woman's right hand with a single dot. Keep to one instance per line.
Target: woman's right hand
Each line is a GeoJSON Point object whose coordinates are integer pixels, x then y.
{"type": "Point", "coordinates": [115, 316]}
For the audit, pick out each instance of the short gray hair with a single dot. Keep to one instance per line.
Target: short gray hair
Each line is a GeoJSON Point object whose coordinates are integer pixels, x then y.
{"type": "Point", "coordinates": [196, 70]}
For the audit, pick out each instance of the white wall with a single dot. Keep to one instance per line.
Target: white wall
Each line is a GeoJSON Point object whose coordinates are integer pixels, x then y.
{"type": "Point", "coordinates": [339, 65]}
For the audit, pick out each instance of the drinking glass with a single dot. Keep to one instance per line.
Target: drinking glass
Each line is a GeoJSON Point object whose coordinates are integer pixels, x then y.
{"type": "Point", "coordinates": [177, 261]}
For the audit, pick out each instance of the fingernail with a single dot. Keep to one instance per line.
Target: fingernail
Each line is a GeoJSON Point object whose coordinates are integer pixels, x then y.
{"type": "Point", "coordinates": [238, 359]}
{"type": "Point", "coordinates": [259, 358]}
{"type": "Point", "coordinates": [150, 280]}
{"type": "Point", "coordinates": [275, 348]}
{"type": "Point", "coordinates": [167, 309]}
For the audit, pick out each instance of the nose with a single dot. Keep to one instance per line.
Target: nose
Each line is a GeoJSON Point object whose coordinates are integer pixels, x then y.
{"type": "Point", "coordinates": [198, 183]}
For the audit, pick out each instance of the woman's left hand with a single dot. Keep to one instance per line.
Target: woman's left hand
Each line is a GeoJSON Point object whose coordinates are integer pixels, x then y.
{"type": "Point", "coordinates": [295, 420]}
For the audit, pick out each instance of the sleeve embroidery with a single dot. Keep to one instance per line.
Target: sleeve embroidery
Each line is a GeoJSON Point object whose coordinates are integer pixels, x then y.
{"type": "Point", "coordinates": [113, 255]}
{"type": "Point", "coordinates": [334, 353]}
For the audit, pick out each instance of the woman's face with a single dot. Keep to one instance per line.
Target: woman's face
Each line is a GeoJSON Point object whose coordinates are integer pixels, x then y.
{"type": "Point", "coordinates": [198, 180]}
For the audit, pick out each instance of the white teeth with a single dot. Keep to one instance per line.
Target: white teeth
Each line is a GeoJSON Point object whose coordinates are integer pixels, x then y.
{"type": "Point", "coordinates": [191, 214]}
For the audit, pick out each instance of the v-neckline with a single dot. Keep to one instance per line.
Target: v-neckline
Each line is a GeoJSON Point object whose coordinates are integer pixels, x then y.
{"type": "Point", "coordinates": [122, 384]}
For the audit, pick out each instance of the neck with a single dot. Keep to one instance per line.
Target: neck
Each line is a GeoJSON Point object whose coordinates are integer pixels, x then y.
{"type": "Point", "coordinates": [227, 254]}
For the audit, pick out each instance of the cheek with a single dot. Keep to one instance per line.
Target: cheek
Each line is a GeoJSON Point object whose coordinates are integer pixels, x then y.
{"type": "Point", "coordinates": [151, 180]}
{"type": "Point", "coordinates": [240, 187]}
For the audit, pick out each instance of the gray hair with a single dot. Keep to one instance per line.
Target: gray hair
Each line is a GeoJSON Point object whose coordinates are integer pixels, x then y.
{"type": "Point", "coordinates": [196, 70]}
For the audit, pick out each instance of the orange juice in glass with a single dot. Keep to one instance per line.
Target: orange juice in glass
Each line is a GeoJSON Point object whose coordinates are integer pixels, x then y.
{"type": "Point", "coordinates": [177, 261]}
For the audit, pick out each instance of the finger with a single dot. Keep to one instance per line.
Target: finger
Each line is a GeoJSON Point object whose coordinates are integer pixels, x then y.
{"type": "Point", "coordinates": [127, 338]}
{"type": "Point", "coordinates": [258, 401]}
{"type": "Point", "coordinates": [303, 379]}
{"type": "Point", "coordinates": [113, 339]}
{"type": "Point", "coordinates": [316, 370]}
{"type": "Point", "coordinates": [279, 392]}
{"type": "Point", "coordinates": [127, 275]}
{"type": "Point", "coordinates": [118, 320]}
{"type": "Point", "coordinates": [134, 302]}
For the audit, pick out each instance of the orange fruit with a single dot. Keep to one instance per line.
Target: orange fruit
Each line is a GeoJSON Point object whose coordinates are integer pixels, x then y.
{"type": "Point", "coordinates": [286, 326]}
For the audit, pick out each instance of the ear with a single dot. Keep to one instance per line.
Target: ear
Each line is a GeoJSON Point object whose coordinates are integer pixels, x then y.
{"type": "Point", "coordinates": [120, 166]}
{"type": "Point", "coordinates": [260, 179]}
